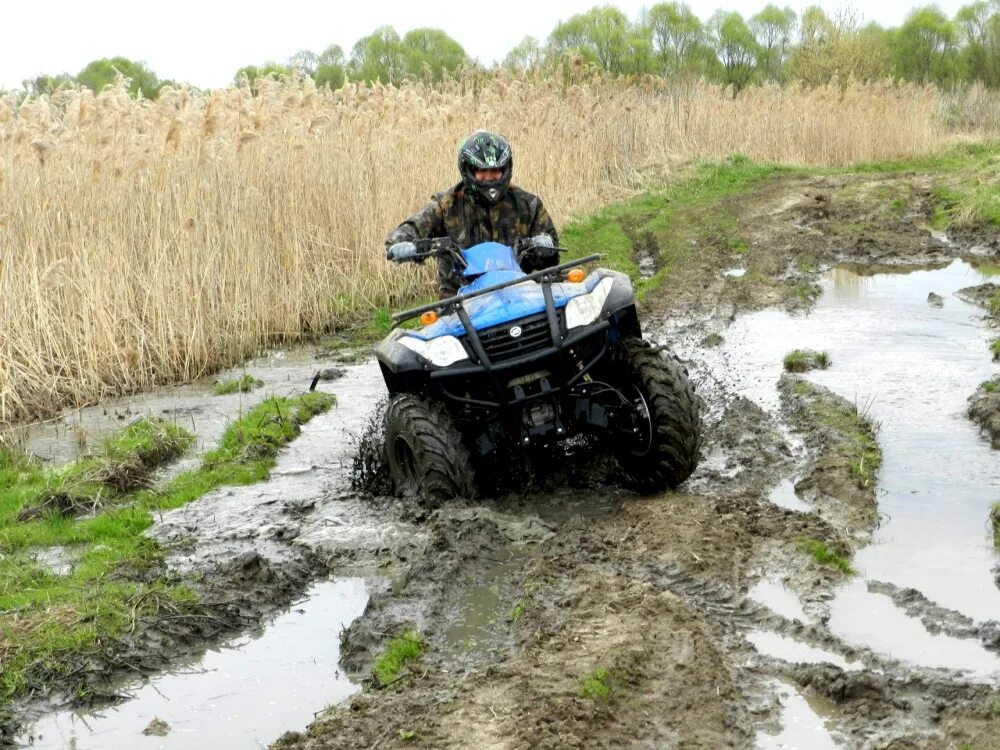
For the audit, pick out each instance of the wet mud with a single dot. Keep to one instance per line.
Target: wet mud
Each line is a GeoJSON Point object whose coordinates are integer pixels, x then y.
{"type": "Point", "coordinates": [570, 612]}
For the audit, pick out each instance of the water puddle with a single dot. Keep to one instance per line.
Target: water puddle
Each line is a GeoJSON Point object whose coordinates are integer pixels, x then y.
{"type": "Point", "coordinates": [803, 721]}
{"type": "Point", "coordinates": [773, 594]}
{"type": "Point", "coordinates": [193, 406]}
{"type": "Point", "coordinates": [788, 649]}
{"type": "Point", "coordinates": [480, 606]}
{"type": "Point", "coordinates": [784, 496]}
{"type": "Point", "coordinates": [245, 694]}
{"type": "Point", "coordinates": [887, 629]}
{"type": "Point", "coordinates": [910, 366]}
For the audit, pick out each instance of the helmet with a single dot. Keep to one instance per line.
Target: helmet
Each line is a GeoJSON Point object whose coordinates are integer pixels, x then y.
{"type": "Point", "coordinates": [485, 150]}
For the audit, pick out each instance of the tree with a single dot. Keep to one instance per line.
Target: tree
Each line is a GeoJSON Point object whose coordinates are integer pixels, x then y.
{"type": "Point", "coordinates": [378, 57]}
{"type": "Point", "coordinates": [978, 25]}
{"type": "Point", "coordinates": [676, 35]}
{"type": "Point", "coordinates": [305, 62]}
{"type": "Point", "coordinates": [736, 48]}
{"type": "Point", "coordinates": [255, 73]}
{"type": "Point", "coordinates": [839, 48]}
{"type": "Point", "coordinates": [925, 47]}
{"type": "Point", "coordinates": [527, 54]}
{"type": "Point", "coordinates": [331, 67]}
{"type": "Point", "coordinates": [773, 28]}
{"type": "Point", "coordinates": [605, 37]}
{"type": "Point", "coordinates": [432, 48]}
{"type": "Point", "coordinates": [100, 73]}
{"type": "Point", "coordinates": [46, 84]}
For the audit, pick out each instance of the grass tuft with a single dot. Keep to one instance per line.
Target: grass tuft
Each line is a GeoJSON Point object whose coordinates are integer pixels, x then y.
{"type": "Point", "coordinates": [826, 556]}
{"type": "Point", "coordinates": [597, 685]}
{"type": "Point", "coordinates": [125, 464]}
{"type": "Point", "coordinates": [242, 384]}
{"type": "Point", "coordinates": [803, 360]}
{"type": "Point", "coordinates": [398, 654]}
{"type": "Point", "coordinates": [995, 523]}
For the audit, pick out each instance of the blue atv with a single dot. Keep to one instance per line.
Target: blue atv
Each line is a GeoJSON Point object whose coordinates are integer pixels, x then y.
{"type": "Point", "coordinates": [517, 360]}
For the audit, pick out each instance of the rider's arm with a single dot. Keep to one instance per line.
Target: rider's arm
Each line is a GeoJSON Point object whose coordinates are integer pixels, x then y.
{"type": "Point", "coordinates": [427, 222]}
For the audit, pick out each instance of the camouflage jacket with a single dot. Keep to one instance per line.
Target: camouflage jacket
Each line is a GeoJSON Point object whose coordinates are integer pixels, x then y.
{"type": "Point", "coordinates": [519, 214]}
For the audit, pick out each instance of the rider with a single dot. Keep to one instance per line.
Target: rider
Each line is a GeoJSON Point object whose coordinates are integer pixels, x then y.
{"type": "Point", "coordinates": [483, 207]}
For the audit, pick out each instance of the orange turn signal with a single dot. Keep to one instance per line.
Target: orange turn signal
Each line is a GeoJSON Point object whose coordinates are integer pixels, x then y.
{"type": "Point", "coordinates": [576, 275]}
{"type": "Point", "coordinates": [428, 317]}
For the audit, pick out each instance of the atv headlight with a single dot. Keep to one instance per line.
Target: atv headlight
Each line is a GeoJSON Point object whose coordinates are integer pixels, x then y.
{"type": "Point", "coordinates": [441, 351]}
{"type": "Point", "coordinates": [587, 307]}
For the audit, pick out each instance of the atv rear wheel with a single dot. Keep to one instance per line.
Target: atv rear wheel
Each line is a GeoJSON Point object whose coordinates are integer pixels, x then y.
{"type": "Point", "coordinates": [661, 450]}
{"type": "Point", "coordinates": [424, 451]}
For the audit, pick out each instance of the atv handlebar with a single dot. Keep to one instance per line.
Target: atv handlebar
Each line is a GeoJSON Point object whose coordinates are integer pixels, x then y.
{"type": "Point", "coordinates": [452, 302]}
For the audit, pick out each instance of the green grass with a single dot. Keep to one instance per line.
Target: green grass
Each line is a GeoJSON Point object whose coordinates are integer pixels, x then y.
{"type": "Point", "coordinates": [990, 386]}
{"type": "Point", "coordinates": [398, 654]}
{"type": "Point", "coordinates": [825, 556]}
{"type": "Point", "coordinates": [803, 360]}
{"type": "Point", "coordinates": [995, 523]}
{"type": "Point", "coordinates": [243, 384]}
{"type": "Point", "coordinates": [597, 685]}
{"type": "Point", "coordinates": [677, 218]}
{"type": "Point", "coordinates": [50, 622]}
{"type": "Point", "coordinates": [518, 610]}
{"type": "Point", "coordinates": [858, 433]}
{"type": "Point", "coordinates": [124, 464]}
{"type": "Point", "coordinates": [995, 348]}
{"type": "Point", "coordinates": [975, 193]}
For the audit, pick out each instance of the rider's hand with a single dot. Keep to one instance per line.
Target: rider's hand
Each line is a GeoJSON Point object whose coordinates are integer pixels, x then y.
{"type": "Point", "coordinates": [401, 252]}
{"type": "Point", "coordinates": [541, 240]}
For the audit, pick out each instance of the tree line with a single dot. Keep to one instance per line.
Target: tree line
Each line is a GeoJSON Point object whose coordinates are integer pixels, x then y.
{"type": "Point", "coordinates": [668, 39]}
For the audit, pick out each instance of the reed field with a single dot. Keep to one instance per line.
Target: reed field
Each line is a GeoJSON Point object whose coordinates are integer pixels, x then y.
{"type": "Point", "coordinates": [147, 242]}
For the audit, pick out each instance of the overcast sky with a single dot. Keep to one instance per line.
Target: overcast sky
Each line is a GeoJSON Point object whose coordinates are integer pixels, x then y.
{"type": "Point", "coordinates": [204, 42]}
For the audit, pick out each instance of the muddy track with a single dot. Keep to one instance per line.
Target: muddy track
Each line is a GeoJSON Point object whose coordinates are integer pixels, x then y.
{"type": "Point", "coordinates": [654, 592]}
{"type": "Point", "coordinates": [525, 599]}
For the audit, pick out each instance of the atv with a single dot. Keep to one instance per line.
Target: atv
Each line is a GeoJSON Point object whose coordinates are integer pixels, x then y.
{"type": "Point", "coordinates": [516, 360]}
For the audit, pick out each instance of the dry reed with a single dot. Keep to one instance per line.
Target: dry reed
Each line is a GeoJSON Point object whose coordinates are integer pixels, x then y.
{"type": "Point", "coordinates": [145, 242]}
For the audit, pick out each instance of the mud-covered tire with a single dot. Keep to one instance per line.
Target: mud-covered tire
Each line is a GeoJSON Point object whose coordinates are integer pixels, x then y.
{"type": "Point", "coordinates": [425, 453]}
{"type": "Point", "coordinates": [670, 452]}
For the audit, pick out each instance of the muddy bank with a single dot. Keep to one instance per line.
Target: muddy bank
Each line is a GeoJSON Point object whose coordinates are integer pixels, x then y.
{"type": "Point", "coordinates": [984, 410]}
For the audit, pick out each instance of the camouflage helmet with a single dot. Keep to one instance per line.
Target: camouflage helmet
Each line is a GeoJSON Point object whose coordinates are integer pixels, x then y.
{"type": "Point", "coordinates": [485, 150]}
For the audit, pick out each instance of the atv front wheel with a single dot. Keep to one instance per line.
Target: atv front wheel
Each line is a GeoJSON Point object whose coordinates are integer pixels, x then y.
{"type": "Point", "coordinates": [661, 448]}
{"type": "Point", "coordinates": [424, 451]}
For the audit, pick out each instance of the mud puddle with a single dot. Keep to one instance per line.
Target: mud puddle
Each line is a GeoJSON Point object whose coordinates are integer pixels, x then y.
{"type": "Point", "coordinates": [908, 352]}
{"type": "Point", "coordinates": [911, 366]}
{"type": "Point", "coordinates": [243, 694]}
{"type": "Point", "coordinates": [803, 721]}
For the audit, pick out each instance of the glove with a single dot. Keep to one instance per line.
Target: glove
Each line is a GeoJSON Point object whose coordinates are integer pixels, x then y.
{"type": "Point", "coordinates": [401, 252]}
{"type": "Point", "coordinates": [541, 240]}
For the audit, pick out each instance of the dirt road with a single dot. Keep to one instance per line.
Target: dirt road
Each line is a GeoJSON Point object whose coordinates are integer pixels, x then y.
{"type": "Point", "coordinates": [649, 596]}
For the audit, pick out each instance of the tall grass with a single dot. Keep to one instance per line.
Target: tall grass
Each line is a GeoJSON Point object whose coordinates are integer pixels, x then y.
{"type": "Point", "coordinates": [143, 242]}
